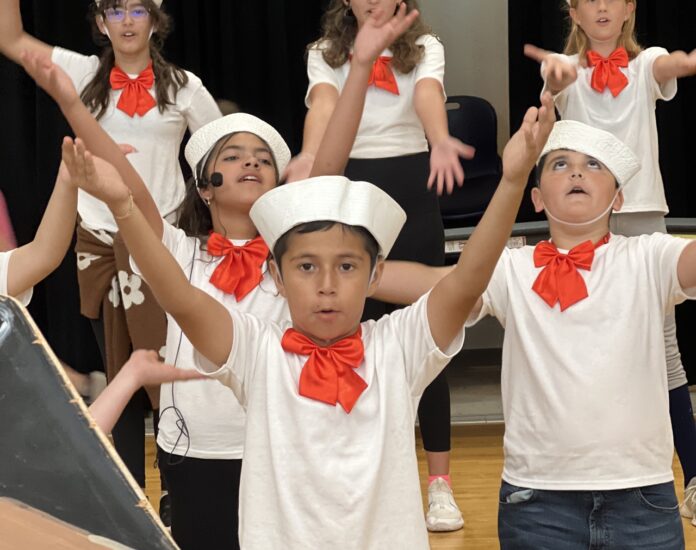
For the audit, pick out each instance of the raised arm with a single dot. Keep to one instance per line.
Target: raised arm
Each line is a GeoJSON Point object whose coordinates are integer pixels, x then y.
{"type": "Point", "coordinates": [455, 295]}
{"type": "Point", "coordinates": [404, 282]}
{"type": "Point", "coordinates": [445, 150]}
{"type": "Point", "coordinates": [375, 35]}
{"type": "Point", "coordinates": [675, 65]}
{"type": "Point", "coordinates": [59, 86]}
{"type": "Point", "coordinates": [13, 39]}
{"type": "Point", "coordinates": [142, 369]}
{"type": "Point", "coordinates": [206, 322]}
{"type": "Point", "coordinates": [557, 72]}
{"type": "Point", "coordinates": [31, 263]}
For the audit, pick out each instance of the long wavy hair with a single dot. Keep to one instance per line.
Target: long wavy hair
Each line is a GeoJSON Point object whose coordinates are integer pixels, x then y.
{"type": "Point", "coordinates": [339, 28]}
{"type": "Point", "coordinates": [169, 78]}
{"type": "Point", "coordinates": [578, 42]}
{"type": "Point", "coordinates": [193, 215]}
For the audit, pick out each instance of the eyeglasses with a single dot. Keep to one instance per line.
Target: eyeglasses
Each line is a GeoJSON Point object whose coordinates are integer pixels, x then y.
{"type": "Point", "coordinates": [117, 15]}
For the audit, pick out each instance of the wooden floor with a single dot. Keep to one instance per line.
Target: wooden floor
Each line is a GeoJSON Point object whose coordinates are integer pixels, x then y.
{"type": "Point", "coordinates": [477, 461]}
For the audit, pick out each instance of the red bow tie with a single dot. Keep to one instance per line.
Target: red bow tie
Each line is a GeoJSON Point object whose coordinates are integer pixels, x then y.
{"type": "Point", "coordinates": [135, 98]}
{"type": "Point", "coordinates": [328, 375]}
{"type": "Point", "coordinates": [382, 75]}
{"type": "Point", "coordinates": [240, 271]}
{"type": "Point", "coordinates": [606, 72]}
{"type": "Point", "coordinates": [560, 280]}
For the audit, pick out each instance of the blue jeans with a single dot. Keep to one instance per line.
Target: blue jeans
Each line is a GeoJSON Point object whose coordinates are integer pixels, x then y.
{"type": "Point", "coordinates": [630, 519]}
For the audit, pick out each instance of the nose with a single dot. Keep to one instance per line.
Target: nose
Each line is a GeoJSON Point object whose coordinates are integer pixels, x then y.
{"type": "Point", "coordinates": [251, 160]}
{"type": "Point", "coordinates": [577, 174]}
{"type": "Point", "coordinates": [327, 283]}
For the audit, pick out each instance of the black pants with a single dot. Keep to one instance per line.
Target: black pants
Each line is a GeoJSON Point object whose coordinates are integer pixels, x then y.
{"type": "Point", "coordinates": [422, 239]}
{"type": "Point", "coordinates": [204, 496]}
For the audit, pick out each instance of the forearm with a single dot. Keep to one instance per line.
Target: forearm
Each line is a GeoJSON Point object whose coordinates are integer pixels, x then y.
{"type": "Point", "coordinates": [107, 409]}
{"type": "Point", "coordinates": [404, 282]}
{"type": "Point", "coordinates": [674, 65]}
{"type": "Point", "coordinates": [430, 108]}
{"type": "Point", "coordinates": [337, 143]}
{"type": "Point", "coordinates": [99, 143]}
{"type": "Point", "coordinates": [13, 39]}
{"type": "Point", "coordinates": [34, 261]}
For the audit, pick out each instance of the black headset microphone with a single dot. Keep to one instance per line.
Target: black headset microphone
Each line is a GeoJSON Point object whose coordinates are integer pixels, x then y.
{"type": "Point", "coordinates": [216, 179]}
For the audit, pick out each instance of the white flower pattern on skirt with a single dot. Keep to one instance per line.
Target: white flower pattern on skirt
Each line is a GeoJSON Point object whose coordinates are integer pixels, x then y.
{"type": "Point", "coordinates": [84, 260]}
{"type": "Point", "coordinates": [130, 289]}
{"type": "Point", "coordinates": [114, 293]}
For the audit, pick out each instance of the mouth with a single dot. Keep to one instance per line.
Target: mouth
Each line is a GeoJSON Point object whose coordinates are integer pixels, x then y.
{"type": "Point", "coordinates": [128, 35]}
{"type": "Point", "coordinates": [577, 190]}
{"type": "Point", "coordinates": [250, 178]}
{"type": "Point", "coordinates": [602, 20]}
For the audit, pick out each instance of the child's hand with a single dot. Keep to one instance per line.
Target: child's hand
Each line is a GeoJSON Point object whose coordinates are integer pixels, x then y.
{"type": "Point", "coordinates": [522, 151]}
{"type": "Point", "coordinates": [146, 369]}
{"type": "Point", "coordinates": [445, 167]}
{"type": "Point", "coordinates": [298, 168]}
{"type": "Point", "coordinates": [94, 175]}
{"type": "Point", "coordinates": [559, 74]}
{"type": "Point", "coordinates": [380, 31]}
{"type": "Point", "coordinates": [50, 77]}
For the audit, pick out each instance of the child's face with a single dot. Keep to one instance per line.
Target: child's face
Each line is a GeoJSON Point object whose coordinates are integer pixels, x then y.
{"type": "Point", "coordinates": [248, 171]}
{"type": "Point", "coordinates": [362, 9]}
{"type": "Point", "coordinates": [129, 25]}
{"type": "Point", "coordinates": [575, 187]}
{"type": "Point", "coordinates": [602, 20]}
{"type": "Point", "coordinates": [326, 279]}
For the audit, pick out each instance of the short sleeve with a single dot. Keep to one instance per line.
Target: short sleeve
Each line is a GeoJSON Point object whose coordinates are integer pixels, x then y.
{"type": "Point", "coordinates": [249, 349]}
{"type": "Point", "coordinates": [495, 297]}
{"type": "Point", "coordinates": [25, 297]}
{"type": "Point", "coordinates": [433, 63]}
{"type": "Point", "coordinates": [80, 68]}
{"type": "Point", "coordinates": [664, 252]}
{"type": "Point", "coordinates": [203, 108]}
{"type": "Point", "coordinates": [647, 59]}
{"type": "Point", "coordinates": [408, 328]}
{"type": "Point", "coordinates": [319, 71]}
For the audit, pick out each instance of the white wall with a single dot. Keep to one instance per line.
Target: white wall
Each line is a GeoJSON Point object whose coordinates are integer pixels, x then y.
{"type": "Point", "coordinates": [475, 35]}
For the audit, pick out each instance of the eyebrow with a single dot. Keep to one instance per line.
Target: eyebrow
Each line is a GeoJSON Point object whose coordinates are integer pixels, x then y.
{"type": "Point", "coordinates": [310, 256]}
{"type": "Point", "coordinates": [241, 148]}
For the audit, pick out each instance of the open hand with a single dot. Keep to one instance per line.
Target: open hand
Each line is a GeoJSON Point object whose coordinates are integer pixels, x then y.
{"type": "Point", "coordinates": [380, 31]}
{"type": "Point", "coordinates": [147, 370]}
{"type": "Point", "coordinates": [445, 167]}
{"type": "Point", "coordinates": [522, 151]}
{"type": "Point", "coordinates": [94, 175]}
{"type": "Point", "coordinates": [50, 77]}
{"type": "Point", "coordinates": [559, 74]}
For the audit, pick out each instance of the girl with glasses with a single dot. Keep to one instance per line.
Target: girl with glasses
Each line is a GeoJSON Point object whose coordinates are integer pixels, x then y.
{"type": "Point", "coordinates": [146, 102]}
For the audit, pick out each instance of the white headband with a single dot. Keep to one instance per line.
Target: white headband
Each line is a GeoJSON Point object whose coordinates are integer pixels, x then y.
{"type": "Point", "coordinates": [330, 198]}
{"type": "Point", "coordinates": [599, 144]}
{"type": "Point", "coordinates": [204, 139]}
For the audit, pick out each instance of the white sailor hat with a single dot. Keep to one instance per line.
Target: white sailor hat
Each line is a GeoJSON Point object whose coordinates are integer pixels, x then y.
{"type": "Point", "coordinates": [204, 139]}
{"type": "Point", "coordinates": [328, 198]}
{"type": "Point", "coordinates": [599, 144]}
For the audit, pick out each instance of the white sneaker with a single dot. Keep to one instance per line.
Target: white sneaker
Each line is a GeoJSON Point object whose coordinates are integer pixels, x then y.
{"type": "Point", "coordinates": [443, 512]}
{"type": "Point", "coordinates": [688, 507]}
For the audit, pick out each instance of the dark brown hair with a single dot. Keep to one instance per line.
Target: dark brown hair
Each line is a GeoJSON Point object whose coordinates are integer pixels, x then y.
{"type": "Point", "coordinates": [169, 78]}
{"type": "Point", "coordinates": [339, 28]}
{"type": "Point", "coordinates": [370, 243]}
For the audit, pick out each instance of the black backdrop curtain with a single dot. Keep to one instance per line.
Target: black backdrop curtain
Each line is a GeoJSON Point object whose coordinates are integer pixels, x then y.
{"type": "Point", "coordinates": [253, 53]}
{"type": "Point", "coordinates": [667, 23]}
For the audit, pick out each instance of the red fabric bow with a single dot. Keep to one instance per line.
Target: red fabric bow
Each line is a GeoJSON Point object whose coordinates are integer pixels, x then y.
{"type": "Point", "coordinates": [382, 75]}
{"type": "Point", "coordinates": [606, 73]}
{"type": "Point", "coordinates": [560, 280]}
{"type": "Point", "coordinates": [135, 98]}
{"type": "Point", "coordinates": [328, 375]}
{"type": "Point", "coordinates": [240, 271]}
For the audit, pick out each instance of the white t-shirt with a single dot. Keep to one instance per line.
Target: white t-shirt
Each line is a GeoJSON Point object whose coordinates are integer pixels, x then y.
{"type": "Point", "coordinates": [390, 126]}
{"type": "Point", "coordinates": [213, 415]}
{"type": "Point", "coordinates": [314, 476]}
{"type": "Point", "coordinates": [156, 137]}
{"type": "Point", "coordinates": [585, 390]}
{"type": "Point", "coordinates": [631, 117]}
{"type": "Point", "coordinates": [25, 297]}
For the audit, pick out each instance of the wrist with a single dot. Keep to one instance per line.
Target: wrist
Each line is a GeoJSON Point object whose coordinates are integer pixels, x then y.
{"type": "Point", "coordinates": [123, 207]}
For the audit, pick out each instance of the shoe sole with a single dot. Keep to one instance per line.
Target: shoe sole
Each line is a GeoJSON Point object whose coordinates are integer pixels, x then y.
{"type": "Point", "coordinates": [444, 526]}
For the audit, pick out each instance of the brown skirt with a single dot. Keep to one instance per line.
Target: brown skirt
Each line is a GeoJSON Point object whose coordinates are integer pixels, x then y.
{"type": "Point", "coordinates": [132, 317]}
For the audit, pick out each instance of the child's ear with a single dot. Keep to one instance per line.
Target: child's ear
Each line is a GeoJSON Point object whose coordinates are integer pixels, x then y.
{"type": "Point", "coordinates": [376, 277]}
{"type": "Point", "coordinates": [537, 201]}
{"type": "Point", "coordinates": [101, 25]}
{"type": "Point", "coordinates": [618, 202]}
{"type": "Point", "coordinates": [277, 277]}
